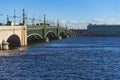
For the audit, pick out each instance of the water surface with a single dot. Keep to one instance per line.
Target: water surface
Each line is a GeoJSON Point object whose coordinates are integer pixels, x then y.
{"type": "Point", "coordinates": [80, 58]}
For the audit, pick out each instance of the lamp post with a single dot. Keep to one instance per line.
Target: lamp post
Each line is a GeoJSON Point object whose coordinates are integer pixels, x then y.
{"type": "Point", "coordinates": [44, 25]}
{"type": "Point", "coordinates": [66, 27]}
{"type": "Point", "coordinates": [7, 19]}
{"type": "Point", "coordinates": [39, 20]}
{"type": "Point", "coordinates": [58, 23]}
{"type": "Point", "coordinates": [14, 17]}
{"type": "Point", "coordinates": [24, 17]}
{"type": "Point", "coordinates": [58, 27]}
{"type": "Point", "coordinates": [33, 20]}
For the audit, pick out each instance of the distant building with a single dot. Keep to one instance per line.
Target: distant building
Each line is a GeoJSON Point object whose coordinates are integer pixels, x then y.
{"type": "Point", "coordinates": [103, 30]}
{"type": "Point", "coordinates": [80, 32]}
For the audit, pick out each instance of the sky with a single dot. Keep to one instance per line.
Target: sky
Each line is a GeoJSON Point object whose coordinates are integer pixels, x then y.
{"type": "Point", "coordinates": [74, 13]}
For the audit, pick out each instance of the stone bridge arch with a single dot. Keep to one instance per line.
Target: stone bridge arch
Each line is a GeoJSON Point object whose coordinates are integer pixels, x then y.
{"type": "Point", "coordinates": [14, 41]}
{"type": "Point", "coordinates": [15, 35]}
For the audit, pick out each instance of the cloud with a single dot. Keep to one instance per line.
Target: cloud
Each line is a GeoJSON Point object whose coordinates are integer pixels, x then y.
{"type": "Point", "coordinates": [74, 24]}
{"type": "Point", "coordinates": [97, 21]}
{"type": "Point", "coordinates": [113, 21]}
{"type": "Point", "coordinates": [62, 22]}
{"type": "Point", "coordinates": [107, 21]}
{"type": "Point", "coordinates": [73, 21]}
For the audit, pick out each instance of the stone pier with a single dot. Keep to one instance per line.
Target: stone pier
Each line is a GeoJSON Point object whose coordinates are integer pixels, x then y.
{"type": "Point", "coordinates": [13, 35]}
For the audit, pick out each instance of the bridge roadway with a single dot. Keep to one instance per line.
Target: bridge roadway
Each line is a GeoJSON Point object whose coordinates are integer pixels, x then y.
{"type": "Point", "coordinates": [16, 36]}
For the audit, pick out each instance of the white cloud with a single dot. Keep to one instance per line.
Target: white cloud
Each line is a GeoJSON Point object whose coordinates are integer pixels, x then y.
{"type": "Point", "coordinates": [107, 21]}
{"type": "Point", "coordinates": [62, 22]}
{"type": "Point", "coordinates": [73, 21]}
{"type": "Point", "coordinates": [74, 24]}
{"type": "Point", "coordinates": [97, 21]}
{"type": "Point", "coordinates": [113, 21]}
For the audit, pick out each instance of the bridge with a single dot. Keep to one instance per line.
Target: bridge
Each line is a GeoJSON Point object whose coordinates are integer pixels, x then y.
{"type": "Point", "coordinates": [23, 34]}
{"type": "Point", "coordinates": [47, 34]}
{"type": "Point", "coordinates": [16, 36]}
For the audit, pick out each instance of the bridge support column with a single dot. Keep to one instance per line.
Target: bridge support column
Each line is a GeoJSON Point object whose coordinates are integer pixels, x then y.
{"type": "Point", "coordinates": [68, 36]}
{"type": "Point", "coordinates": [24, 36]}
{"type": "Point", "coordinates": [5, 45]}
{"type": "Point", "coordinates": [59, 37]}
{"type": "Point", "coordinates": [46, 39]}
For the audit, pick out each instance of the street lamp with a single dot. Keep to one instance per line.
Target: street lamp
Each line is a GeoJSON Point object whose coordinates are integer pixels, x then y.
{"type": "Point", "coordinates": [66, 27]}
{"type": "Point", "coordinates": [58, 23]}
{"type": "Point", "coordinates": [44, 25]}
{"type": "Point", "coordinates": [24, 17]}
{"type": "Point", "coordinates": [33, 20]}
{"type": "Point", "coordinates": [7, 19]}
{"type": "Point", "coordinates": [14, 17]}
{"type": "Point", "coordinates": [39, 20]}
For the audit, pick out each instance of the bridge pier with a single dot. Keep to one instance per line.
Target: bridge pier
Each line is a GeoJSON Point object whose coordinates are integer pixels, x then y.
{"type": "Point", "coordinates": [24, 36]}
{"type": "Point", "coordinates": [5, 45]}
{"type": "Point", "coordinates": [13, 36]}
{"type": "Point", "coordinates": [68, 36]}
{"type": "Point", "coordinates": [59, 38]}
{"type": "Point", "coordinates": [46, 39]}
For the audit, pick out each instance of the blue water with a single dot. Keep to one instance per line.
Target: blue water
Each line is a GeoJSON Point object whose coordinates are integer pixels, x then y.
{"type": "Point", "coordinates": [80, 58]}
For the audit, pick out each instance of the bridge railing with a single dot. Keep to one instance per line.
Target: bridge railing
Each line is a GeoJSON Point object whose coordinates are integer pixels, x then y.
{"type": "Point", "coordinates": [41, 27]}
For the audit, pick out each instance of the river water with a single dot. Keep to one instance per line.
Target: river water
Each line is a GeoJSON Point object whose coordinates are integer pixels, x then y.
{"type": "Point", "coordinates": [80, 58]}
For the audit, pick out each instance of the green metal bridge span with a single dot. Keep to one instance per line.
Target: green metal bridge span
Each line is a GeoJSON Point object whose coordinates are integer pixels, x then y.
{"type": "Point", "coordinates": [36, 33]}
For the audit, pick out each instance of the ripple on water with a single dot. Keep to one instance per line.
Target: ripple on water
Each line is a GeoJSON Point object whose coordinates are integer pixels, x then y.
{"type": "Point", "coordinates": [70, 59]}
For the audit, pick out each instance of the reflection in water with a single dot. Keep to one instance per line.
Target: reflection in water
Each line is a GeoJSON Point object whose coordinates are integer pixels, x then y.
{"type": "Point", "coordinates": [14, 51]}
{"type": "Point", "coordinates": [81, 58]}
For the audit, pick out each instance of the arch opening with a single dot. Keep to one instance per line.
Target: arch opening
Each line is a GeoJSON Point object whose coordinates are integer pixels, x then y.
{"type": "Point", "coordinates": [51, 36]}
{"type": "Point", "coordinates": [63, 35]}
{"type": "Point", "coordinates": [14, 41]}
{"type": "Point", "coordinates": [34, 38]}
{"type": "Point", "coordinates": [69, 35]}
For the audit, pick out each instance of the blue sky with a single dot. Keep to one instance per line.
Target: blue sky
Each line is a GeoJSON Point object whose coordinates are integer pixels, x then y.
{"type": "Point", "coordinates": [71, 11]}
